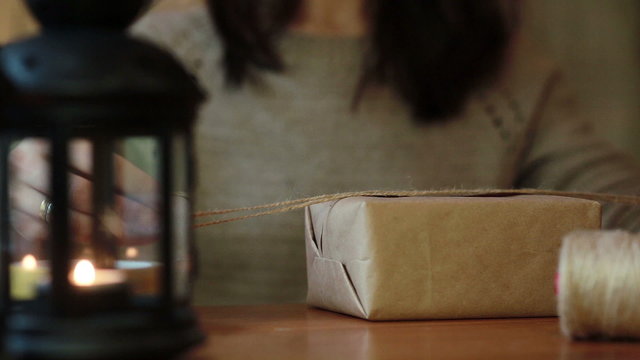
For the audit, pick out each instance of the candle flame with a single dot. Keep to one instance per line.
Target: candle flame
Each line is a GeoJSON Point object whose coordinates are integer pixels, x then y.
{"type": "Point", "coordinates": [84, 274]}
{"type": "Point", "coordinates": [29, 262]}
{"type": "Point", "coordinates": [131, 252]}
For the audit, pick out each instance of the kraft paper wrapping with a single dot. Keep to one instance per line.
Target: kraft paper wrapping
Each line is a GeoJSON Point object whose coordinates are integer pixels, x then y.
{"type": "Point", "coordinates": [440, 257]}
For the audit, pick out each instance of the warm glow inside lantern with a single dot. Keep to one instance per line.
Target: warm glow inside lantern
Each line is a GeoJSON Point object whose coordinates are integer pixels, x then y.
{"type": "Point", "coordinates": [95, 248]}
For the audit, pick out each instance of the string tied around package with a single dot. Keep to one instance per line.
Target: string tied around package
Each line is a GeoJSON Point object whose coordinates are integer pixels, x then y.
{"type": "Point", "coordinates": [223, 216]}
{"type": "Point", "coordinates": [599, 285]}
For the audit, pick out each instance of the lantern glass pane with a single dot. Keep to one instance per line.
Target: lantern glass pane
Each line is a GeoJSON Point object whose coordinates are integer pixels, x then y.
{"type": "Point", "coordinates": [118, 228]}
{"type": "Point", "coordinates": [137, 168]}
{"type": "Point", "coordinates": [182, 225]}
{"type": "Point", "coordinates": [29, 188]}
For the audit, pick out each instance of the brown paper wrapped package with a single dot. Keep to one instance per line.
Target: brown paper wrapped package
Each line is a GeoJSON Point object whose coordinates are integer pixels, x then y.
{"type": "Point", "coordinates": [440, 257]}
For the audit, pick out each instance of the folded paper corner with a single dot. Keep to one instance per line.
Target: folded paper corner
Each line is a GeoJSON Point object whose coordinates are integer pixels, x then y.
{"type": "Point", "coordinates": [330, 288]}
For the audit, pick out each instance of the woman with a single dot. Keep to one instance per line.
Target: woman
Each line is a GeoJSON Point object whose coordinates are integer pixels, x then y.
{"type": "Point", "coordinates": [319, 96]}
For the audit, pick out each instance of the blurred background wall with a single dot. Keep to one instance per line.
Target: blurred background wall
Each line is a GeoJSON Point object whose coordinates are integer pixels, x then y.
{"type": "Point", "coordinates": [596, 41]}
{"type": "Point", "coordinates": [598, 44]}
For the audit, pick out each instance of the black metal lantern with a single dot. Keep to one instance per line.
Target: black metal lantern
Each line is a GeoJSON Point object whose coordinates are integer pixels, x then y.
{"type": "Point", "coordinates": [85, 88]}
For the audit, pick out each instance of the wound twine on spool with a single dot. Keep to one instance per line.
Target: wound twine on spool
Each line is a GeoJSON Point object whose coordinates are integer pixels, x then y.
{"type": "Point", "coordinates": [290, 205]}
{"type": "Point", "coordinates": [599, 285]}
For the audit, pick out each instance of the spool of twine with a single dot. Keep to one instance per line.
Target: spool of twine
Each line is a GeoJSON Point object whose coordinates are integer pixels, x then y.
{"type": "Point", "coordinates": [599, 285]}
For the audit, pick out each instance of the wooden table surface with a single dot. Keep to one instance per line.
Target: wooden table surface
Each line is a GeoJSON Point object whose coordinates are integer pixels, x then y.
{"type": "Point", "coordinates": [295, 331]}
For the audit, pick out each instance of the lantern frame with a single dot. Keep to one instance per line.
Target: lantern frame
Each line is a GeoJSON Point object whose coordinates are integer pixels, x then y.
{"type": "Point", "coordinates": [83, 77]}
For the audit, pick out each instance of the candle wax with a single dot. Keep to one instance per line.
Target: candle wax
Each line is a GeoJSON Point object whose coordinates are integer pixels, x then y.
{"type": "Point", "coordinates": [25, 281]}
{"type": "Point", "coordinates": [142, 276]}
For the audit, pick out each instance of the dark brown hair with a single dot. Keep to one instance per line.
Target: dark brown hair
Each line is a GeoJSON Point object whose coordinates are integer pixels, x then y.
{"type": "Point", "coordinates": [434, 53]}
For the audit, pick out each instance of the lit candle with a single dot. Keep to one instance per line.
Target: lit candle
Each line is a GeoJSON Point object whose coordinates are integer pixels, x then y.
{"type": "Point", "coordinates": [131, 252]}
{"type": "Point", "coordinates": [29, 262]}
{"type": "Point", "coordinates": [25, 276]}
{"type": "Point", "coordinates": [98, 290]}
{"type": "Point", "coordinates": [84, 274]}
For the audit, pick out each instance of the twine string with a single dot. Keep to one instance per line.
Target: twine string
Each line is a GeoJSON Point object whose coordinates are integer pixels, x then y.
{"type": "Point", "coordinates": [599, 285]}
{"type": "Point", "coordinates": [295, 204]}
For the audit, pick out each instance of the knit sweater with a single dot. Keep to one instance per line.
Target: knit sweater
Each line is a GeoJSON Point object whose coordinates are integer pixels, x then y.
{"type": "Point", "coordinates": [295, 134]}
